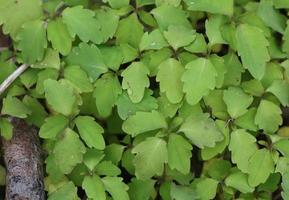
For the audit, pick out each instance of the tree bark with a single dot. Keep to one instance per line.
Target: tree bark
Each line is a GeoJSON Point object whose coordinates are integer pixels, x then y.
{"type": "Point", "coordinates": [23, 160]}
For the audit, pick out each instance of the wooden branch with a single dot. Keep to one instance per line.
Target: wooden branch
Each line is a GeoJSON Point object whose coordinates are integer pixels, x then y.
{"type": "Point", "coordinates": [12, 78]}
{"type": "Point", "coordinates": [23, 160]}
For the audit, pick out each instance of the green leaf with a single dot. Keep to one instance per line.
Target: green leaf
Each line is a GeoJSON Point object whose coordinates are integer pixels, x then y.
{"type": "Point", "coordinates": [242, 147]}
{"type": "Point", "coordinates": [270, 16]}
{"type": "Point", "coordinates": [59, 36]}
{"type": "Point", "coordinates": [268, 116]}
{"type": "Point", "coordinates": [164, 17]}
{"type": "Point", "coordinates": [220, 67]}
{"type": "Point", "coordinates": [23, 11]}
{"type": "Point", "coordinates": [237, 101]}
{"type": "Point", "coordinates": [116, 188]}
{"type": "Point", "coordinates": [207, 188]}
{"type": "Point", "coordinates": [140, 189]}
{"type": "Point", "coordinates": [143, 121]}
{"type": "Point", "coordinates": [53, 126]}
{"type": "Point", "coordinates": [179, 153]}
{"type": "Point", "coordinates": [94, 188]}
{"type": "Point", "coordinates": [81, 22]}
{"type": "Point", "coordinates": [250, 38]}
{"type": "Point", "coordinates": [201, 130]}
{"type": "Point", "coordinates": [260, 167]}
{"type": "Point", "coordinates": [239, 181]}
{"type": "Point", "coordinates": [214, 29]}
{"type": "Point", "coordinates": [108, 21]}
{"type": "Point", "coordinates": [113, 153]}
{"type": "Point", "coordinates": [247, 121]}
{"type": "Point", "coordinates": [92, 157]}
{"type": "Point", "coordinates": [213, 6]}
{"type": "Point", "coordinates": [210, 152]}
{"type": "Point", "coordinates": [135, 80]}
{"type": "Point", "coordinates": [169, 76]}
{"type": "Point", "coordinates": [90, 131]}
{"type": "Point", "coordinates": [59, 96]}
{"type": "Point", "coordinates": [195, 86]}
{"type": "Point", "coordinates": [281, 90]}
{"type": "Point", "coordinates": [118, 4]}
{"type": "Point", "coordinates": [199, 45]}
{"type": "Point", "coordinates": [216, 103]}
{"type": "Point", "coordinates": [68, 151]}
{"type": "Point", "coordinates": [78, 78]}
{"type": "Point", "coordinates": [153, 40]}
{"type": "Point", "coordinates": [6, 129]}
{"type": "Point", "coordinates": [50, 60]}
{"type": "Point", "coordinates": [125, 107]}
{"type": "Point", "coordinates": [89, 58]}
{"type": "Point", "coordinates": [129, 31]}
{"type": "Point", "coordinates": [182, 192]}
{"type": "Point", "coordinates": [107, 168]}
{"type": "Point", "coordinates": [112, 56]}
{"type": "Point", "coordinates": [179, 36]}
{"type": "Point", "coordinates": [151, 155]}
{"type": "Point", "coordinates": [107, 89]}
{"type": "Point", "coordinates": [32, 41]}
{"type": "Point", "coordinates": [65, 192]}
{"type": "Point", "coordinates": [14, 107]}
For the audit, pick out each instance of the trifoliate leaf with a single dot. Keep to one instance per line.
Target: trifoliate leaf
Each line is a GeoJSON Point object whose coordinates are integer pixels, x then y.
{"type": "Point", "coordinates": [219, 7]}
{"type": "Point", "coordinates": [116, 188]}
{"type": "Point", "coordinates": [129, 31]}
{"type": "Point", "coordinates": [260, 167]}
{"type": "Point", "coordinates": [141, 190]}
{"type": "Point", "coordinates": [94, 188]}
{"type": "Point", "coordinates": [125, 107]}
{"type": "Point", "coordinates": [23, 11]}
{"type": "Point", "coordinates": [169, 76]}
{"type": "Point", "coordinates": [53, 126]}
{"type": "Point", "coordinates": [179, 36]}
{"type": "Point", "coordinates": [59, 36]}
{"type": "Point", "coordinates": [270, 16]}
{"type": "Point", "coordinates": [65, 192]}
{"type": "Point", "coordinates": [81, 22]}
{"type": "Point", "coordinates": [107, 89]}
{"type": "Point", "coordinates": [68, 151]}
{"type": "Point", "coordinates": [144, 121]}
{"type": "Point", "coordinates": [164, 17]}
{"type": "Point", "coordinates": [135, 80]}
{"type": "Point", "coordinates": [241, 140]}
{"type": "Point", "coordinates": [6, 129]}
{"type": "Point", "coordinates": [237, 101]}
{"type": "Point", "coordinates": [281, 90]}
{"type": "Point", "coordinates": [268, 116]}
{"type": "Point", "coordinates": [151, 155]}
{"type": "Point", "coordinates": [179, 153]}
{"type": "Point", "coordinates": [90, 131]}
{"type": "Point", "coordinates": [250, 38]}
{"type": "Point", "coordinates": [32, 41]}
{"type": "Point", "coordinates": [201, 130]}
{"type": "Point", "coordinates": [195, 85]}
{"type": "Point", "coordinates": [59, 96]}
{"type": "Point", "coordinates": [153, 40]}
{"type": "Point", "coordinates": [239, 181]}
{"type": "Point", "coordinates": [78, 78]}
{"type": "Point", "coordinates": [89, 58]}
{"type": "Point", "coordinates": [14, 107]}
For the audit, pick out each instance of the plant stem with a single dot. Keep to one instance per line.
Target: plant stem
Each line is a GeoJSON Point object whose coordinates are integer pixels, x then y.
{"type": "Point", "coordinates": [10, 79]}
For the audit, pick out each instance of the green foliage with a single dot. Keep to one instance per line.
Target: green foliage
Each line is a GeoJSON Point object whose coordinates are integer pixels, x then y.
{"type": "Point", "coordinates": [152, 99]}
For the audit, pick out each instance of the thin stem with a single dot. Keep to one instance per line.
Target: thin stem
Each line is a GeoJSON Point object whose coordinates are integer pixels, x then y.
{"type": "Point", "coordinates": [10, 79]}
